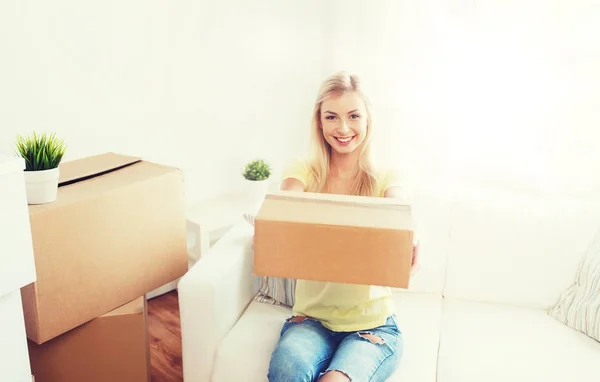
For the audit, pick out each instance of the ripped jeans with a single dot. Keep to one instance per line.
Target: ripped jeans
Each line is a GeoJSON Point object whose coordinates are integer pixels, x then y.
{"type": "Point", "coordinates": [307, 350]}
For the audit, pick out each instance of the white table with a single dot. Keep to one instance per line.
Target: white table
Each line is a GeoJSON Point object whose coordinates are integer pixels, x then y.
{"type": "Point", "coordinates": [208, 220]}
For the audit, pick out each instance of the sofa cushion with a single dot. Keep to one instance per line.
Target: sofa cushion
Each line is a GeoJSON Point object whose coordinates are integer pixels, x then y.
{"type": "Point", "coordinates": [514, 248]}
{"type": "Point", "coordinates": [579, 305]}
{"type": "Point", "coordinates": [492, 342]}
{"type": "Point", "coordinates": [245, 352]}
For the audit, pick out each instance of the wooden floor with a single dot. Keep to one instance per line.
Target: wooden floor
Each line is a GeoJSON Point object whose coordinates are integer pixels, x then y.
{"type": "Point", "coordinates": [165, 338]}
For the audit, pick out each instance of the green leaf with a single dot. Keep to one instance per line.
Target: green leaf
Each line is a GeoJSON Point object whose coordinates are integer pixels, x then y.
{"type": "Point", "coordinates": [40, 151]}
{"type": "Point", "coordinates": [257, 170]}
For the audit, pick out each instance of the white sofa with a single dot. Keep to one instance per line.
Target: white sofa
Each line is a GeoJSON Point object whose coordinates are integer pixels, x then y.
{"type": "Point", "coordinates": [492, 264]}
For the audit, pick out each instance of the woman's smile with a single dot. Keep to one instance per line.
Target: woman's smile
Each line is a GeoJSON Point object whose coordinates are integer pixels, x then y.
{"type": "Point", "coordinates": [344, 140]}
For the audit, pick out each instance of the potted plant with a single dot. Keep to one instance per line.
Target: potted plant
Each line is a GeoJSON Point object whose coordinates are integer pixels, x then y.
{"type": "Point", "coordinates": [257, 173]}
{"type": "Point", "coordinates": [42, 154]}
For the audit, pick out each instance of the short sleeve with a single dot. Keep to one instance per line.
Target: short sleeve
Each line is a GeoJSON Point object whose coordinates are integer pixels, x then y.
{"type": "Point", "coordinates": [297, 169]}
{"type": "Point", "coordinates": [392, 178]}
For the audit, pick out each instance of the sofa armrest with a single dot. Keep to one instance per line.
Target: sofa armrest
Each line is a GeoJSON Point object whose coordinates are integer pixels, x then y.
{"type": "Point", "coordinates": [213, 294]}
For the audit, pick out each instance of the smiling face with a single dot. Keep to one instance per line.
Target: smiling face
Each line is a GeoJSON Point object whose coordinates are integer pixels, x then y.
{"type": "Point", "coordinates": [344, 122]}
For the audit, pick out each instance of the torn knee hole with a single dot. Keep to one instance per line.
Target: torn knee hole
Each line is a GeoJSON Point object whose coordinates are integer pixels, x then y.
{"type": "Point", "coordinates": [334, 375]}
{"type": "Point", "coordinates": [371, 337]}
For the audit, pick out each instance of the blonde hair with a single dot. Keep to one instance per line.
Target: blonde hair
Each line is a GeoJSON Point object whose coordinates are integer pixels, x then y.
{"type": "Point", "coordinates": [365, 181]}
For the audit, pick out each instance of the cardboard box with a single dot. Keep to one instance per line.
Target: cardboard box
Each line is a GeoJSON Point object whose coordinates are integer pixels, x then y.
{"type": "Point", "coordinates": [337, 238]}
{"type": "Point", "coordinates": [113, 347]}
{"type": "Point", "coordinates": [117, 231]}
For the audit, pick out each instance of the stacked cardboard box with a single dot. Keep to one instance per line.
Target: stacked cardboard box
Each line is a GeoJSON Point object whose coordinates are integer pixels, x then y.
{"type": "Point", "coordinates": [113, 347]}
{"type": "Point", "coordinates": [116, 232]}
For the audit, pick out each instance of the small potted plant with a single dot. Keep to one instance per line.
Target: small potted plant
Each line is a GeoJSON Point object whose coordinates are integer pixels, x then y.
{"type": "Point", "coordinates": [42, 154]}
{"type": "Point", "coordinates": [257, 173]}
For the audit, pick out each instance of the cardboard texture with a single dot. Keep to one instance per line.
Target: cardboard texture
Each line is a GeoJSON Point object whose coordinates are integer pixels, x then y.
{"type": "Point", "coordinates": [113, 347]}
{"type": "Point", "coordinates": [337, 238]}
{"type": "Point", "coordinates": [116, 231]}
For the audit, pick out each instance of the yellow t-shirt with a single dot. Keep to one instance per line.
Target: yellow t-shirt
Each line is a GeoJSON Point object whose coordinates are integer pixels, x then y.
{"type": "Point", "coordinates": [342, 307]}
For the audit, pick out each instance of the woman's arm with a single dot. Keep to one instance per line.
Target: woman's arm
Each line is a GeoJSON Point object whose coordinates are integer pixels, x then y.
{"type": "Point", "coordinates": [396, 192]}
{"type": "Point", "coordinates": [292, 184]}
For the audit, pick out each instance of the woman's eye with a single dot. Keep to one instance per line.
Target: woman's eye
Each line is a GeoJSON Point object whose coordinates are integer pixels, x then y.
{"type": "Point", "coordinates": [330, 117]}
{"type": "Point", "coordinates": [354, 116]}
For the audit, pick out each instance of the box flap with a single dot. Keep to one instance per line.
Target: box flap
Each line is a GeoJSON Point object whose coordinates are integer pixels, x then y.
{"type": "Point", "coordinates": [337, 210]}
{"type": "Point", "coordinates": [89, 167]}
{"type": "Point", "coordinates": [134, 307]}
{"type": "Point", "coordinates": [122, 175]}
{"type": "Point", "coordinates": [339, 199]}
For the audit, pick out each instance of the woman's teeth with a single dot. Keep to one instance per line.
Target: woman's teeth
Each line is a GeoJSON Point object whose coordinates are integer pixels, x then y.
{"type": "Point", "coordinates": [344, 140]}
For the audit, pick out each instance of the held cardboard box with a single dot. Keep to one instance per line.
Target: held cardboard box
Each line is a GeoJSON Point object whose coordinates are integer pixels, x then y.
{"type": "Point", "coordinates": [113, 347]}
{"type": "Point", "coordinates": [116, 231]}
{"type": "Point", "coordinates": [337, 238]}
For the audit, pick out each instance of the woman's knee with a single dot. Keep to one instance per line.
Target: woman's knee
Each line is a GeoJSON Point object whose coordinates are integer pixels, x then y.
{"type": "Point", "coordinates": [289, 370]}
{"type": "Point", "coordinates": [334, 376]}
{"type": "Point", "coordinates": [300, 353]}
{"type": "Point", "coordinates": [286, 366]}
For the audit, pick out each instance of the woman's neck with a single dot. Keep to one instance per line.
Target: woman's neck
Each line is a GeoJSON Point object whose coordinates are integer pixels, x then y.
{"type": "Point", "coordinates": [344, 166]}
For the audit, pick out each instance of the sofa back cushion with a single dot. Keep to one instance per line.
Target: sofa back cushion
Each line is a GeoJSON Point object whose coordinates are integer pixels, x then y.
{"type": "Point", "coordinates": [431, 213]}
{"type": "Point", "coordinates": [517, 249]}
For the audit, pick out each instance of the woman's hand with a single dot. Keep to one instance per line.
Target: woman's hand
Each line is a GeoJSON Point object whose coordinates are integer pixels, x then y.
{"type": "Point", "coordinates": [415, 265]}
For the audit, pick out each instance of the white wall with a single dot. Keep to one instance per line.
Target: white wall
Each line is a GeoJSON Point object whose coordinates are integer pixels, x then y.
{"type": "Point", "coordinates": [487, 92]}
{"type": "Point", "coordinates": [494, 93]}
{"type": "Point", "coordinates": [201, 85]}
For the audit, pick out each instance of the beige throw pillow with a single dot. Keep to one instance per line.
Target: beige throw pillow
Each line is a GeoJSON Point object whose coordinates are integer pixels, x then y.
{"type": "Point", "coordinates": [579, 305]}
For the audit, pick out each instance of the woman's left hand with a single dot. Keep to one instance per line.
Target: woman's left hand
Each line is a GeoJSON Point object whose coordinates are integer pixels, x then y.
{"type": "Point", "coordinates": [415, 265]}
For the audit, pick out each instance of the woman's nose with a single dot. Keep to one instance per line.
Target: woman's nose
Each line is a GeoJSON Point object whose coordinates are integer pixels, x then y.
{"type": "Point", "coordinates": [344, 126]}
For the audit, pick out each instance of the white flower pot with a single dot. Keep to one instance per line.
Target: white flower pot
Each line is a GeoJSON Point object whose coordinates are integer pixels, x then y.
{"type": "Point", "coordinates": [42, 186]}
{"type": "Point", "coordinates": [256, 190]}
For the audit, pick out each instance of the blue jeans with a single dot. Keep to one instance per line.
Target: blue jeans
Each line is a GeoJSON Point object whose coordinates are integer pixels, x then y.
{"type": "Point", "coordinates": [307, 350]}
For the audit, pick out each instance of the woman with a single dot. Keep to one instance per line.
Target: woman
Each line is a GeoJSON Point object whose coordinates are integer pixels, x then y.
{"type": "Point", "coordinates": [339, 332]}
